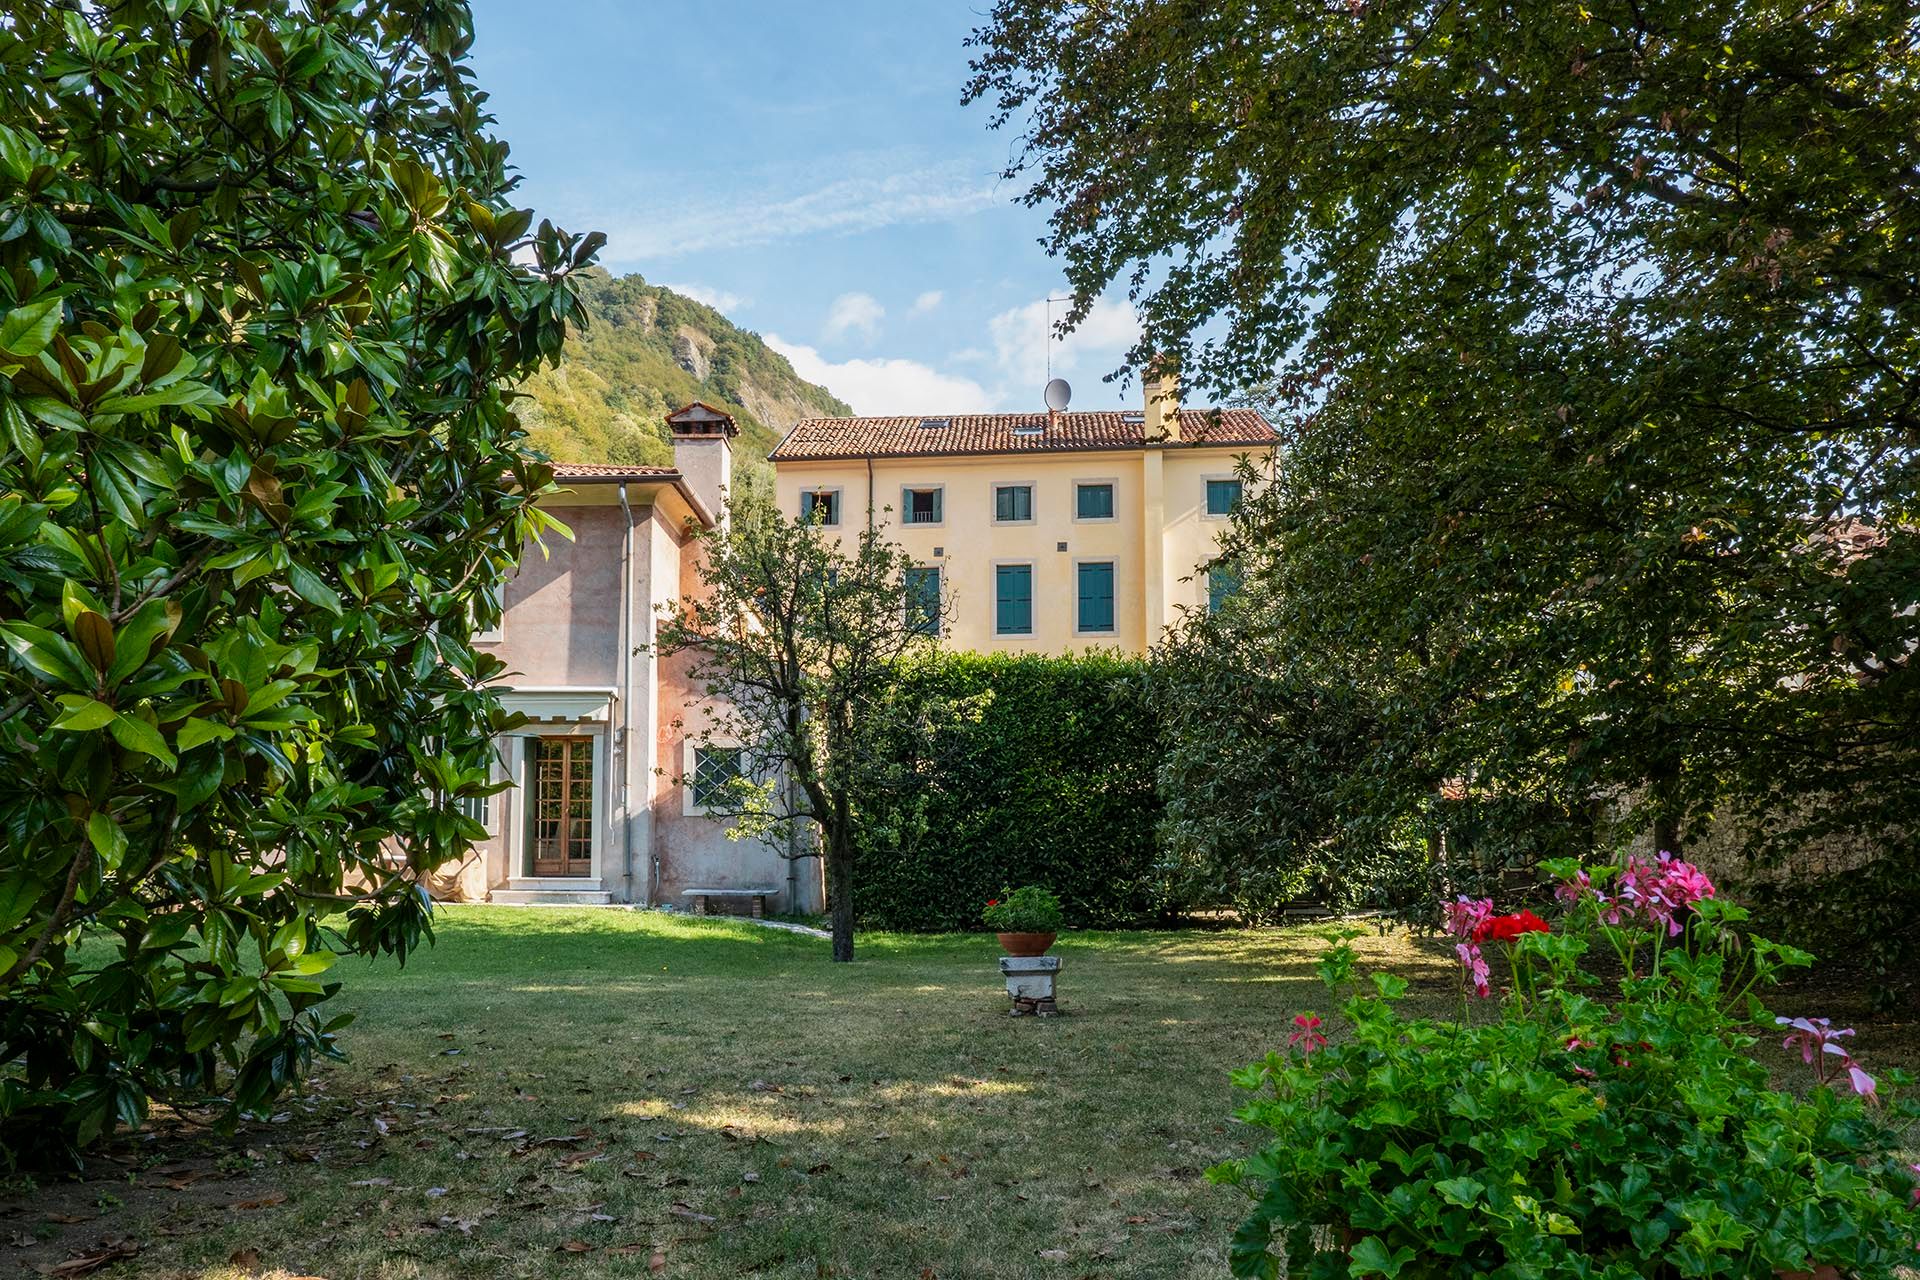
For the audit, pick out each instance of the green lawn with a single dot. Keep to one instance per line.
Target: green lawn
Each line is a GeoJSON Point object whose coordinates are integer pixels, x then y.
{"type": "Point", "coordinates": [575, 1092]}
{"type": "Point", "coordinates": [606, 1093]}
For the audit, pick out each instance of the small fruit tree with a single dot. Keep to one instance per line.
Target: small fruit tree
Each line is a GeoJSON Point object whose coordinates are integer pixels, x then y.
{"type": "Point", "coordinates": [262, 301]}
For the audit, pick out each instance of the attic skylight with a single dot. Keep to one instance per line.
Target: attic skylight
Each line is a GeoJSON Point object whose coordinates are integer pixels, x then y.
{"type": "Point", "coordinates": [935, 424]}
{"type": "Point", "coordinates": [1029, 429]}
{"type": "Point", "coordinates": [1133, 417]}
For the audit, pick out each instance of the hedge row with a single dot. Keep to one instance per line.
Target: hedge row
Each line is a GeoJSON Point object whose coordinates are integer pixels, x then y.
{"type": "Point", "coordinates": [1048, 779]}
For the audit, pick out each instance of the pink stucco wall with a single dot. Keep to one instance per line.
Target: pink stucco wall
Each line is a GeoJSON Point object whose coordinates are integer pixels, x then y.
{"type": "Point", "coordinates": [563, 608]}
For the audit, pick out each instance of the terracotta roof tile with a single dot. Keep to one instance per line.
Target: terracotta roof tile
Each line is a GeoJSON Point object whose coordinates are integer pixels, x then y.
{"type": "Point", "coordinates": [605, 471]}
{"type": "Point", "coordinates": [990, 433]}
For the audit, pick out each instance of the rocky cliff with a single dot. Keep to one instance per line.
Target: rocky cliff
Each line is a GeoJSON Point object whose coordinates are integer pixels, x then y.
{"type": "Point", "coordinates": [646, 351]}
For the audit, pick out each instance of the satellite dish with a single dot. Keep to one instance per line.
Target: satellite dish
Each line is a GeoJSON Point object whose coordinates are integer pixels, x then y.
{"type": "Point", "coordinates": [1057, 394]}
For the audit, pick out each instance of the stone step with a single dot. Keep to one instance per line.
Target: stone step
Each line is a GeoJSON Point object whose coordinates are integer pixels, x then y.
{"type": "Point", "coordinates": [549, 893]}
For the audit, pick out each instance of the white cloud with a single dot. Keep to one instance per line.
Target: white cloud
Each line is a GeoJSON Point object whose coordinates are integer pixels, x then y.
{"type": "Point", "coordinates": [886, 386]}
{"type": "Point", "coordinates": [851, 311]}
{"type": "Point", "coordinates": [927, 301]}
{"type": "Point", "coordinates": [720, 300]}
{"type": "Point", "coordinates": [1021, 343]}
{"type": "Point", "coordinates": [885, 196]}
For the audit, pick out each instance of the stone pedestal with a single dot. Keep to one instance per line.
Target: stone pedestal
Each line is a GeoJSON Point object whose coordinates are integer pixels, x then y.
{"type": "Point", "coordinates": [1030, 984]}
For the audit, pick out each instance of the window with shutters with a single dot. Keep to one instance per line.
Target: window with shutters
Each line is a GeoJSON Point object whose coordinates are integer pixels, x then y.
{"type": "Point", "coordinates": [1093, 500]}
{"type": "Point", "coordinates": [1094, 604]}
{"type": "Point", "coordinates": [1223, 583]}
{"type": "Point", "coordinates": [820, 506]}
{"type": "Point", "coordinates": [1013, 599]}
{"type": "Point", "coordinates": [920, 505]}
{"type": "Point", "coordinates": [923, 599]}
{"type": "Point", "coordinates": [1013, 504]}
{"type": "Point", "coordinates": [1223, 496]}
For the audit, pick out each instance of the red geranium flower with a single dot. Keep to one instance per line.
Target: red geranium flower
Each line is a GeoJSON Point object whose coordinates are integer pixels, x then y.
{"type": "Point", "coordinates": [1508, 928]}
{"type": "Point", "coordinates": [993, 902]}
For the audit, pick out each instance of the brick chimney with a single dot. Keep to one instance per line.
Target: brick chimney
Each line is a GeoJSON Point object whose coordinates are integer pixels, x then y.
{"type": "Point", "coordinates": [1163, 402]}
{"type": "Point", "coordinates": [703, 453]}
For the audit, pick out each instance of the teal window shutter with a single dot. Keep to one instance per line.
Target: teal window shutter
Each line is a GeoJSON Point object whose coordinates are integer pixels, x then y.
{"type": "Point", "coordinates": [923, 600]}
{"type": "Point", "coordinates": [1222, 497]}
{"type": "Point", "coordinates": [1096, 596]}
{"type": "Point", "coordinates": [1013, 599]}
{"type": "Point", "coordinates": [1223, 583]}
{"type": "Point", "coordinates": [1013, 502]}
{"type": "Point", "coordinates": [1093, 501]}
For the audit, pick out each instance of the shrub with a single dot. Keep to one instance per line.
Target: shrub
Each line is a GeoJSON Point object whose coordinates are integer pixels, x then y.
{"type": "Point", "coordinates": [1026, 910]}
{"type": "Point", "coordinates": [259, 317]}
{"type": "Point", "coordinates": [1580, 1132]}
{"type": "Point", "coordinates": [1046, 778]}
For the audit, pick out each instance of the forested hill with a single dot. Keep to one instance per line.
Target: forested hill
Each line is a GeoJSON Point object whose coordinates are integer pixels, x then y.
{"type": "Point", "coordinates": [648, 351]}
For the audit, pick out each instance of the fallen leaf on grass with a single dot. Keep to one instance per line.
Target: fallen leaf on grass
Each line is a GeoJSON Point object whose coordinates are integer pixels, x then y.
{"type": "Point", "coordinates": [92, 1260]}
{"type": "Point", "coordinates": [372, 1182]}
{"type": "Point", "coordinates": [266, 1201]}
{"type": "Point", "coordinates": [1055, 1255]}
{"type": "Point", "coordinates": [67, 1219]}
{"type": "Point", "coordinates": [657, 1263]}
{"type": "Point", "coordinates": [687, 1213]}
{"type": "Point", "coordinates": [573, 1246]}
{"type": "Point", "coordinates": [245, 1259]}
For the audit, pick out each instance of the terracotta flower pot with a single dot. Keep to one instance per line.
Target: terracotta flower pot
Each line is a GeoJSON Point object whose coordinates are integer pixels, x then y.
{"type": "Point", "coordinates": [1025, 944]}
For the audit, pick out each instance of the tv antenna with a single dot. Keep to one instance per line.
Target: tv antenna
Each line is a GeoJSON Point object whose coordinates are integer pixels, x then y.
{"type": "Point", "coordinates": [1052, 382]}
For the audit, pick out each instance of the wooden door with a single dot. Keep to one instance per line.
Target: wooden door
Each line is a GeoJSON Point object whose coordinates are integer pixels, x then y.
{"type": "Point", "coordinates": [563, 806]}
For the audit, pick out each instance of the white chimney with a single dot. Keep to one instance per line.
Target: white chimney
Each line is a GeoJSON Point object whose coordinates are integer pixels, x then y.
{"type": "Point", "coordinates": [703, 453]}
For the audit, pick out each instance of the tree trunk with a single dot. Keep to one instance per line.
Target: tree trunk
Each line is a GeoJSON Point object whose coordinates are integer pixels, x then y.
{"type": "Point", "coordinates": [840, 896]}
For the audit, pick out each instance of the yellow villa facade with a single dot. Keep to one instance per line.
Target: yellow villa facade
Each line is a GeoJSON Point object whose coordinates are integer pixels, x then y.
{"type": "Point", "coordinates": [1041, 532]}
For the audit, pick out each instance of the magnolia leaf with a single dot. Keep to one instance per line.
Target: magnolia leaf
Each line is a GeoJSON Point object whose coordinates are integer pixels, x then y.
{"type": "Point", "coordinates": [83, 714]}
{"type": "Point", "coordinates": [27, 330]}
{"type": "Point", "coordinates": [137, 735]}
{"type": "Point", "coordinates": [108, 840]}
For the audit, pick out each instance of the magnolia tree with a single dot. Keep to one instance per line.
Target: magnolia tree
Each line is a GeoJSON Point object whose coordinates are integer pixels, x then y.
{"type": "Point", "coordinates": [798, 642]}
{"type": "Point", "coordinates": [262, 293]}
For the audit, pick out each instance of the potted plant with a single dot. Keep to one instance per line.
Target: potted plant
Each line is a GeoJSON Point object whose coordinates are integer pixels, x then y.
{"type": "Point", "coordinates": [1026, 920]}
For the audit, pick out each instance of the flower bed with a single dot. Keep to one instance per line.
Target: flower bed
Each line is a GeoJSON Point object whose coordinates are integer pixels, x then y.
{"type": "Point", "coordinates": [1581, 1131]}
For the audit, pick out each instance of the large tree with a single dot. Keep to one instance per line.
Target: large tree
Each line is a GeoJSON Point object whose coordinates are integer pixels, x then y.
{"type": "Point", "coordinates": [259, 475]}
{"type": "Point", "coordinates": [799, 640]}
{"type": "Point", "coordinates": [1596, 331]}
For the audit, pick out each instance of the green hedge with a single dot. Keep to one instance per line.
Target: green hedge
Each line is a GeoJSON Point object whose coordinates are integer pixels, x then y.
{"type": "Point", "coordinates": [1047, 778]}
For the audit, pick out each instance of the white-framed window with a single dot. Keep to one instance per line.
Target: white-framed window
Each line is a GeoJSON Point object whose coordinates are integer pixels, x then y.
{"type": "Point", "coordinates": [922, 504]}
{"type": "Point", "coordinates": [479, 809]}
{"type": "Point", "coordinates": [1013, 502]}
{"type": "Point", "coordinates": [1093, 597]}
{"type": "Point", "coordinates": [923, 602]}
{"type": "Point", "coordinates": [1093, 501]}
{"type": "Point", "coordinates": [1013, 598]}
{"type": "Point", "coordinates": [820, 505]}
{"type": "Point", "coordinates": [1221, 496]}
{"type": "Point", "coordinates": [710, 767]}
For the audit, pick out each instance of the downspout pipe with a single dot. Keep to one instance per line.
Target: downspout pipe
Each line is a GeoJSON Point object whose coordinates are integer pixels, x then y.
{"type": "Point", "coordinates": [626, 699]}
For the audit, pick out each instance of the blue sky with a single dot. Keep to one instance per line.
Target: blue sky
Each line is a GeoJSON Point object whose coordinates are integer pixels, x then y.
{"type": "Point", "coordinates": [809, 170]}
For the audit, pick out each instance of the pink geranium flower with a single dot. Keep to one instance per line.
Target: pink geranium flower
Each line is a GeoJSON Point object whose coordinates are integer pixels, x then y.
{"type": "Point", "coordinates": [1813, 1036]}
{"type": "Point", "coordinates": [1306, 1034]}
{"type": "Point", "coordinates": [1464, 915]}
{"type": "Point", "coordinates": [1473, 968]}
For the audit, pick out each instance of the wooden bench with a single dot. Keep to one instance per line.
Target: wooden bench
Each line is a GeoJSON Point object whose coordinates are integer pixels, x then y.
{"type": "Point", "coordinates": [759, 896]}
